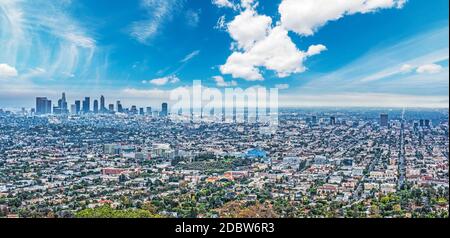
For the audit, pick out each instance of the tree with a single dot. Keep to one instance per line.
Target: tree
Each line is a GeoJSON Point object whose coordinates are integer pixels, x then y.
{"type": "Point", "coordinates": [106, 211]}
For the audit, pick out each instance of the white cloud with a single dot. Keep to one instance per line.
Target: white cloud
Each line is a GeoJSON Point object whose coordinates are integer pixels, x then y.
{"type": "Point", "coordinates": [315, 50]}
{"type": "Point", "coordinates": [51, 39]}
{"type": "Point", "coordinates": [429, 69]}
{"type": "Point", "coordinates": [403, 57]}
{"type": "Point", "coordinates": [249, 4]}
{"type": "Point", "coordinates": [406, 68]}
{"type": "Point", "coordinates": [220, 82]}
{"type": "Point", "coordinates": [248, 28]}
{"type": "Point", "coordinates": [221, 23]}
{"type": "Point", "coordinates": [282, 86]}
{"type": "Point", "coordinates": [259, 45]}
{"type": "Point", "coordinates": [159, 12]}
{"type": "Point", "coordinates": [190, 56]}
{"type": "Point", "coordinates": [306, 16]}
{"type": "Point", "coordinates": [223, 3]}
{"type": "Point", "coordinates": [242, 65]}
{"type": "Point", "coordinates": [36, 72]}
{"type": "Point", "coordinates": [164, 80]}
{"type": "Point", "coordinates": [372, 72]}
{"type": "Point", "coordinates": [7, 71]}
{"type": "Point", "coordinates": [276, 52]}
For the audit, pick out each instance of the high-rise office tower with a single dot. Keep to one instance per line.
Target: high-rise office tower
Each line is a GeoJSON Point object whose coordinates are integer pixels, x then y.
{"type": "Point", "coordinates": [95, 106]}
{"type": "Point", "coordinates": [86, 105]}
{"type": "Point", "coordinates": [421, 123]}
{"type": "Point", "coordinates": [332, 121]}
{"type": "Point", "coordinates": [119, 107]}
{"type": "Point", "coordinates": [314, 120]}
{"type": "Point", "coordinates": [57, 109]}
{"type": "Point", "coordinates": [111, 108]}
{"type": "Point", "coordinates": [134, 110]}
{"type": "Point", "coordinates": [141, 111]}
{"type": "Point", "coordinates": [49, 107]}
{"type": "Point", "coordinates": [164, 110]}
{"type": "Point", "coordinates": [64, 106]}
{"type": "Point", "coordinates": [102, 104]}
{"type": "Point", "coordinates": [149, 111]}
{"type": "Point", "coordinates": [308, 121]}
{"type": "Point", "coordinates": [384, 120]}
{"type": "Point", "coordinates": [73, 109]}
{"type": "Point", "coordinates": [77, 107]}
{"type": "Point", "coordinates": [43, 106]}
{"type": "Point", "coordinates": [427, 123]}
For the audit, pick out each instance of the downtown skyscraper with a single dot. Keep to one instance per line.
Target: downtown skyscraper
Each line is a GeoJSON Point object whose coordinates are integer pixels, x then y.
{"type": "Point", "coordinates": [43, 106]}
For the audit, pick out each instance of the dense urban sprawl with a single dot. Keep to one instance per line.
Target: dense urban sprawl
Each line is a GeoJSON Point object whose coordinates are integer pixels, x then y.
{"type": "Point", "coordinates": [318, 163]}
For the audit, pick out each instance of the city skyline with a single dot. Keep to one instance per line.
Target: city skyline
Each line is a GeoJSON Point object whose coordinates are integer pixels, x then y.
{"type": "Point", "coordinates": [138, 56]}
{"type": "Point", "coordinates": [157, 103]}
{"type": "Point", "coordinates": [44, 106]}
{"type": "Point", "coordinates": [106, 106]}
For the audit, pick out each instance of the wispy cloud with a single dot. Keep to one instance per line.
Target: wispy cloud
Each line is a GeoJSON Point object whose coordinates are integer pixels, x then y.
{"type": "Point", "coordinates": [49, 39]}
{"type": "Point", "coordinates": [158, 13]}
{"type": "Point", "coordinates": [7, 71]}
{"type": "Point", "coordinates": [392, 68]}
{"type": "Point", "coordinates": [429, 69]}
{"type": "Point", "coordinates": [190, 56]}
{"type": "Point", "coordinates": [182, 64]}
{"type": "Point", "coordinates": [172, 79]}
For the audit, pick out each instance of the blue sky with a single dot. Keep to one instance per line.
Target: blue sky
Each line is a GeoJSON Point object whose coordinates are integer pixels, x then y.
{"type": "Point", "coordinates": [317, 52]}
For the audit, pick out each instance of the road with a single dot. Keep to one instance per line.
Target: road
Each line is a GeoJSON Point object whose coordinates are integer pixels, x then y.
{"type": "Point", "coordinates": [401, 158]}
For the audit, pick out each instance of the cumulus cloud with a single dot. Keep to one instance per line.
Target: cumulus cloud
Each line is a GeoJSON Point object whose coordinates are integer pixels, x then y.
{"type": "Point", "coordinates": [249, 4]}
{"type": "Point", "coordinates": [220, 82]}
{"type": "Point", "coordinates": [7, 71]}
{"type": "Point", "coordinates": [429, 69]}
{"type": "Point", "coordinates": [260, 44]}
{"type": "Point", "coordinates": [164, 80]}
{"type": "Point", "coordinates": [248, 28]}
{"type": "Point", "coordinates": [315, 50]}
{"type": "Point", "coordinates": [275, 52]}
{"type": "Point", "coordinates": [306, 16]}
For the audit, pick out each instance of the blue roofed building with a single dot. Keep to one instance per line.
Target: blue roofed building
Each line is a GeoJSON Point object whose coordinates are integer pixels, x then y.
{"type": "Point", "coordinates": [256, 154]}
